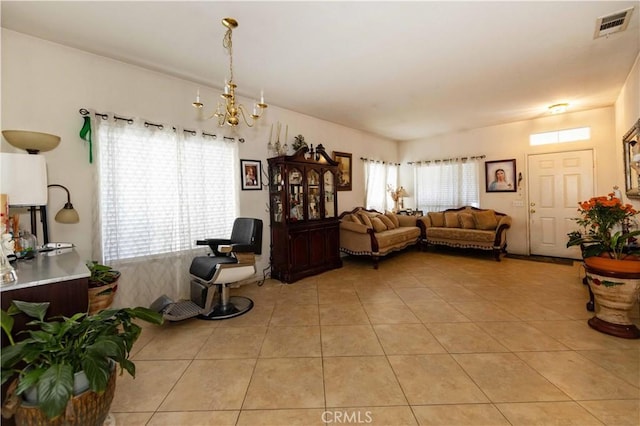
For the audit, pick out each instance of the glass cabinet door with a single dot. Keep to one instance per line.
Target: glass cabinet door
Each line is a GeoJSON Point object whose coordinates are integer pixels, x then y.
{"type": "Point", "coordinates": [313, 195]}
{"type": "Point", "coordinates": [296, 200]}
{"type": "Point", "coordinates": [276, 185]}
{"type": "Point", "coordinates": [329, 195]}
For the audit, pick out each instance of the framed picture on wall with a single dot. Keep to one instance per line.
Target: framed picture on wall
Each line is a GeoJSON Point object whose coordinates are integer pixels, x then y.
{"type": "Point", "coordinates": [500, 176]}
{"type": "Point", "coordinates": [344, 170]}
{"type": "Point", "coordinates": [250, 173]}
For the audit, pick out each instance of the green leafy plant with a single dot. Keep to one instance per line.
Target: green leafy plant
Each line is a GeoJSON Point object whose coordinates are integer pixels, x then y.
{"type": "Point", "coordinates": [101, 274]}
{"type": "Point", "coordinates": [55, 349]}
{"type": "Point", "coordinates": [606, 224]}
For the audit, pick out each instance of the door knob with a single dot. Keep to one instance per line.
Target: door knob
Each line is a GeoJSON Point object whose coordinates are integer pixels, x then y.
{"type": "Point", "coordinates": [533, 204]}
{"type": "Point", "coordinates": [533, 211]}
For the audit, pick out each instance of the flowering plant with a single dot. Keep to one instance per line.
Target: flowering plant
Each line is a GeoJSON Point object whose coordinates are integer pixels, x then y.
{"type": "Point", "coordinates": [606, 222]}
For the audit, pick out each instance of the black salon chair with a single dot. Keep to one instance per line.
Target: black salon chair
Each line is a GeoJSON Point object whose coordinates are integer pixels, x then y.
{"type": "Point", "coordinates": [232, 260]}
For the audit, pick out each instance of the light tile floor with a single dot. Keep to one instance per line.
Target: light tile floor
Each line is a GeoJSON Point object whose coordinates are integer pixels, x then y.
{"type": "Point", "coordinates": [427, 339]}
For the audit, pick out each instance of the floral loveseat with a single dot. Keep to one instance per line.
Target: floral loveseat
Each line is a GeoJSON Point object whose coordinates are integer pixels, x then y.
{"type": "Point", "coordinates": [370, 233]}
{"type": "Point", "coordinates": [467, 227]}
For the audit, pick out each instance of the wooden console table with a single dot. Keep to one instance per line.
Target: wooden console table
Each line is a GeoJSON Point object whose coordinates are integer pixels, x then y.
{"type": "Point", "coordinates": [59, 277]}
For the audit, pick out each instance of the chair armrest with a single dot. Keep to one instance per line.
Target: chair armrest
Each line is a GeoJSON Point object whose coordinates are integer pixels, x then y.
{"type": "Point", "coordinates": [242, 248]}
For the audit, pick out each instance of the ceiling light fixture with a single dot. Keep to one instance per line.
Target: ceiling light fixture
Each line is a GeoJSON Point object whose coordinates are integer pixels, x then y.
{"type": "Point", "coordinates": [558, 108]}
{"type": "Point", "coordinates": [229, 112]}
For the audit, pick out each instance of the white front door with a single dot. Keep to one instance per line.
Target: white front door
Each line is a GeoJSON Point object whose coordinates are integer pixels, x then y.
{"type": "Point", "coordinates": [557, 182]}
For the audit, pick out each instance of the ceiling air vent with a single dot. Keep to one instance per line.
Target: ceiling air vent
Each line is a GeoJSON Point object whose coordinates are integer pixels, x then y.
{"type": "Point", "coordinates": [613, 23]}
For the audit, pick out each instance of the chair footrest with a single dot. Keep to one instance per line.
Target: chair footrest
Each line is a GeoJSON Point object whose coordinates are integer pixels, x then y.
{"type": "Point", "coordinates": [182, 310]}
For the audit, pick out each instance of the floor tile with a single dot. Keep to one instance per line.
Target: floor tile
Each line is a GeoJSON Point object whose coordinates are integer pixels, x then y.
{"type": "Point", "coordinates": [154, 380]}
{"type": "Point", "coordinates": [615, 412]}
{"type": "Point", "coordinates": [459, 415]}
{"type": "Point", "coordinates": [436, 311]}
{"type": "Point", "coordinates": [518, 336]}
{"type": "Point", "coordinates": [131, 419]}
{"type": "Point", "coordinates": [578, 377]}
{"type": "Point", "coordinates": [434, 379]}
{"type": "Point", "coordinates": [483, 311]}
{"type": "Point", "coordinates": [389, 313]}
{"type": "Point", "coordinates": [233, 342]}
{"type": "Point", "coordinates": [623, 363]}
{"type": "Point", "coordinates": [548, 413]}
{"type": "Point", "coordinates": [211, 385]}
{"type": "Point", "coordinates": [381, 416]}
{"type": "Point", "coordinates": [301, 341]}
{"type": "Point", "coordinates": [177, 342]}
{"type": "Point", "coordinates": [294, 314]}
{"type": "Point", "coordinates": [200, 418]}
{"type": "Point", "coordinates": [343, 314]}
{"type": "Point", "coordinates": [346, 340]}
{"type": "Point", "coordinates": [464, 337]}
{"type": "Point", "coordinates": [346, 377]}
{"type": "Point", "coordinates": [279, 383]}
{"type": "Point", "coordinates": [504, 377]}
{"type": "Point", "coordinates": [405, 339]}
{"type": "Point", "coordinates": [293, 417]}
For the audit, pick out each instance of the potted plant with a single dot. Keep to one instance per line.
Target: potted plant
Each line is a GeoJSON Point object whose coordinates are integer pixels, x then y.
{"type": "Point", "coordinates": [54, 350]}
{"type": "Point", "coordinates": [611, 262]}
{"type": "Point", "coordinates": [103, 284]}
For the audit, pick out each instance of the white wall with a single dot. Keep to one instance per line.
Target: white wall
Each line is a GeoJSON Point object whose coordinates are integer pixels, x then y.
{"type": "Point", "coordinates": [511, 140]}
{"type": "Point", "coordinates": [627, 112]}
{"type": "Point", "coordinates": [45, 84]}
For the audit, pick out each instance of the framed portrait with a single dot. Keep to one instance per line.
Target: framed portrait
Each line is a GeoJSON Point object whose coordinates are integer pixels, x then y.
{"type": "Point", "coordinates": [501, 175]}
{"type": "Point", "coordinates": [250, 174]}
{"type": "Point", "coordinates": [344, 170]}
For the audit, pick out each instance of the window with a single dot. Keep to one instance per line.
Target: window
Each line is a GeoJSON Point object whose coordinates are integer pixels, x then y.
{"type": "Point", "coordinates": [161, 190]}
{"type": "Point", "coordinates": [560, 136]}
{"type": "Point", "coordinates": [378, 175]}
{"type": "Point", "coordinates": [447, 184]}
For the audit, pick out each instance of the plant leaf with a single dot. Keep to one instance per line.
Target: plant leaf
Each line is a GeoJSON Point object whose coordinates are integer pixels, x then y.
{"type": "Point", "coordinates": [55, 388]}
{"type": "Point", "coordinates": [34, 310]}
{"type": "Point", "coordinates": [7, 324]}
{"type": "Point", "coordinates": [98, 371]}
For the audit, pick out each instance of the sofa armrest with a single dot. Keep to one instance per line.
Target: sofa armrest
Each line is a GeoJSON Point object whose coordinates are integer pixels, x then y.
{"type": "Point", "coordinates": [425, 221]}
{"type": "Point", "coordinates": [356, 238]}
{"type": "Point", "coordinates": [501, 231]}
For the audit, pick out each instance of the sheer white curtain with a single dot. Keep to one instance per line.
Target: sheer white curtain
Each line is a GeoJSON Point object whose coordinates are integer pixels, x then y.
{"type": "Point", "coordinates": [446, 184]}
{"type": "Point", "coordinates": [378, 175]}
{"type": "Point", "coordinates": [158, 191]}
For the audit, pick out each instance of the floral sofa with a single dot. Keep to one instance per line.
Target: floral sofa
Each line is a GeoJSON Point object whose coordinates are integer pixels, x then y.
{"type": "Point", "coordinates": [366, 232]}
{"type": "Point", "coordinates": [467, 227]}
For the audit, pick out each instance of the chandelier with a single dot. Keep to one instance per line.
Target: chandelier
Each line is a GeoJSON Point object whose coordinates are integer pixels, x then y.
{"type": "Point", "coordinates": [230, 112]}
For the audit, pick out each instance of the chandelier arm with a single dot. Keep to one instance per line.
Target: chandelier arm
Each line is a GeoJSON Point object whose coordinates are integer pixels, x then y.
{"type": "Point", "coordinates": [244, 117]}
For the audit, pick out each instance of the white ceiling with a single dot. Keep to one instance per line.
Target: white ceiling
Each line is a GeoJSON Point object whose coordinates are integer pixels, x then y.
{"type": "Point", "coordinates": [403, 70]}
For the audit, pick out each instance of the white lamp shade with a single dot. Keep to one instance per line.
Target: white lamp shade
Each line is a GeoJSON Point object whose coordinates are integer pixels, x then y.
{"type": "Point", "coordinates": [31, 141]}
{"type": "Point", "coordinates": [24, 179]}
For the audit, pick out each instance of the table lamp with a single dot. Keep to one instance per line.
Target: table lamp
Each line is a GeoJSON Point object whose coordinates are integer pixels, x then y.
{"type": "Point", "coordinates": [32, 142]}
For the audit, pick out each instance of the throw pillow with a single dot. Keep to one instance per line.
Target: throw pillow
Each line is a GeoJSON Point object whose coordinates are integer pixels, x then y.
{"type": "Point", "coordinates": [387, 222]}
{"type": "Point", "coordinates": [393, 218]}
{"type": "Point", "coordinates": [466, 221]}
{"type": "Point", "coordinates": [364, 218]}
{"type": "Point", "coordinates": [437, 218]}
{"type": "Point", "coordinates": [485, 220]}
{"type": "Point", "coordinates": [378, 225]}
{"type": "Point", "coordinates": [451, 220]}
{"type": "Point", "coordinates": [355, 218]}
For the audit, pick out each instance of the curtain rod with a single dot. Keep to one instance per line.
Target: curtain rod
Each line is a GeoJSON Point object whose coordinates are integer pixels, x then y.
{"type": "Point", "coordinates": [444, 160]}
{"type": "Point", "coordinates": [379, 161]}
{"type": "Point", "coordinates": [85, 112]}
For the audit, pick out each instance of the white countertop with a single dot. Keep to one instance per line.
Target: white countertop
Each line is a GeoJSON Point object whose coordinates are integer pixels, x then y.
{"type": "Point", "coordinates": [47, 268]}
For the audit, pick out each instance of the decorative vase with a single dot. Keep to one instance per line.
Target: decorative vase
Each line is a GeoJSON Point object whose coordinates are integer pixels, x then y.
{"type": "Point", "coordinates": [616, 287]}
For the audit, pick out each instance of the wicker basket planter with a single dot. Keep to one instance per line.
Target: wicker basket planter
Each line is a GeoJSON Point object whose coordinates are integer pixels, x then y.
{"type": "Point", "coordinates": [101, 297]}
{"type": "Point", "coordinates": [86, 409]}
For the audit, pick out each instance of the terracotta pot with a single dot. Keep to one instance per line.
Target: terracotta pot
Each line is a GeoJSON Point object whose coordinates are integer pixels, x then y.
{"type": "Point", "coordinates": [616, 287]}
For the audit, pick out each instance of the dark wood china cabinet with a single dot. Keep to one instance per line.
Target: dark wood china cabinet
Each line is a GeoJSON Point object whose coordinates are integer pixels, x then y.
{"type": "Point", "coordinates": [303, 203]}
